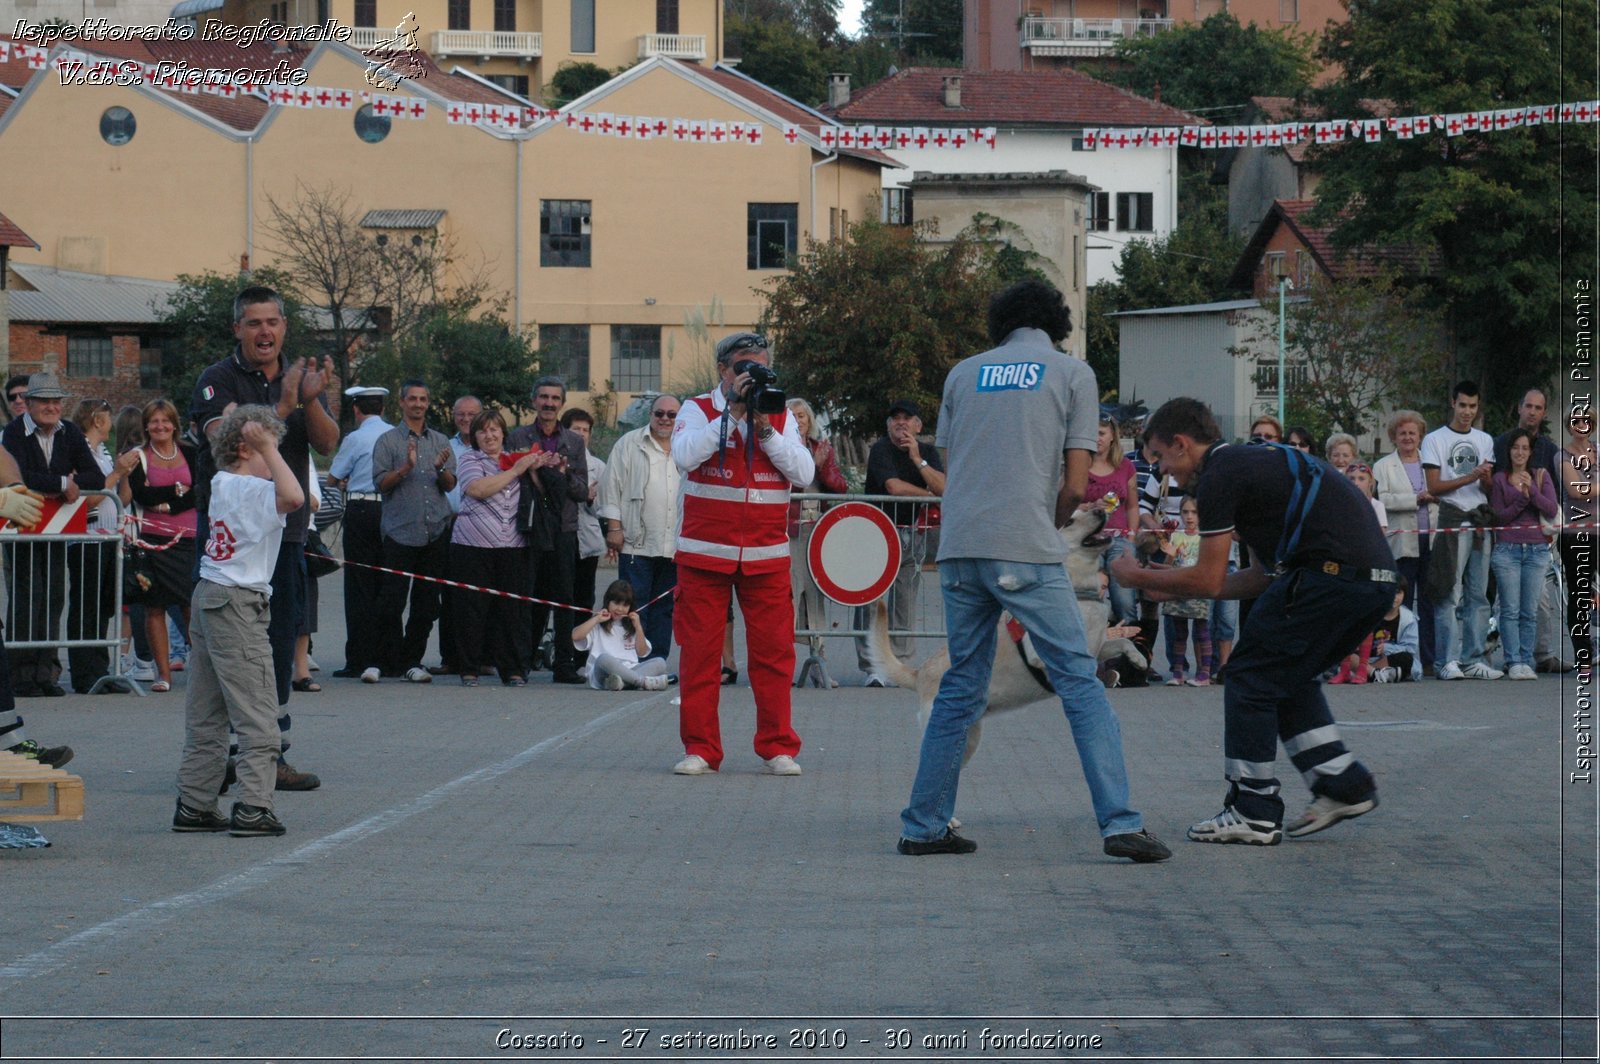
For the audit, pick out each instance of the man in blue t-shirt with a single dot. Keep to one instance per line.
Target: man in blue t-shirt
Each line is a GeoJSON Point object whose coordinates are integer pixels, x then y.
{"type": "Point", "coordinates": [1322, 576]}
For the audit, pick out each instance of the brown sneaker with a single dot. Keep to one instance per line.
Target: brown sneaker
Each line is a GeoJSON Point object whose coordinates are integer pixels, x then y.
{"type": "Point", "coordinates": [290, 780]}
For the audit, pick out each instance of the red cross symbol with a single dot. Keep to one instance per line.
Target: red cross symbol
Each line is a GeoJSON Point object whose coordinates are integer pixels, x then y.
{"type": "Point", "coordinates": [920, 140]}
{"type": "Point", "coordinates": [791, 134]}
{"type": "Point", "coordinates": [959, 140]}
{"type": "Point", "coordinates": [1208, 139]}
{"type": "Point", "coordinates": [455, 113]}
{"type": "Point", "coordinates": [752, 133]}
{"type": "Point", "coordinates": [380, 105]}
{"type": "Point", "coordinates": [1582, 112]}
{"type": "Point", "coordinates": [902, 138]}
{"type": "Point", "coordinates": [605, 125]}
{"type": "Point", "coordinates": [1190, 137]}
{"type": "Point", "coordinates": [1404, 129]}
{"type": "Point", "coordinates": [624, 128]}
{"type": "Point", "coordinates": [1258, 138]}
{"type": "Point", "coordinates": [1502, 120]}
{"type": "Point", "coordinates": [229, 90]}
{"type": "Point", "coordinates": [586, 123]}
{"type": "Point", "coordinates": [1324, 134]}
{"type": "Point", "coordinates": [1121, 141]}
{"type": "Point", "coordinates": [1225, 137]}
{"type": "Point", "coordinates": [829, 136]}
{"type": "Point", "coordinates": [847, 138]}
{"type": "Point", "coordinates": [698, 132]}
{"type": "Point", "coordinates": [343, 99]}
{"type": "Point", "coordinates": [1454, 125]}
{"type": "Point", "coordinates": [717, 133]}
{"type": "Point", "coordinates": [474, 114]}
{"type": "Point", "coordinates": [571, 120]}
{"type": "Point", "coordinates": [419, 109]}
{"type": "Point", "coordinates": [1274, 137]}
{"type": "Point", "coordinates": [660, 127]}
{"type": "Point", "coordinates": [1550, 113]}
{"type": "Point", "coordinates": [885, 137]}
{"type": "Point", "coordinates": [940, 139]}
{"type": "Point", "coordinates": [1472, 121]}
{"type": "Point", "coordinates": [323, 96]}
{"type": "Point", "coordinates": [508, 117]}
{"type": "Point", "coordinates": [303, 98]}
{"type": "Point", "coordinates": [36, 59]}
{"type": "Point", "coordinates": [530, 114]}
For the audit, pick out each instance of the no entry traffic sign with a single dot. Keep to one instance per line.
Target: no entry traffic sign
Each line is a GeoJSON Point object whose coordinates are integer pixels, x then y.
{"type": "Point", "coordinates": [854, 553]}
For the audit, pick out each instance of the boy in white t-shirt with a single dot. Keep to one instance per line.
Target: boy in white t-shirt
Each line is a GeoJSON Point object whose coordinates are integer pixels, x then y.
{"type": "Point", "coordinates": [1457, 461]}
{"type": "Point", "coordinates": [230, 662]}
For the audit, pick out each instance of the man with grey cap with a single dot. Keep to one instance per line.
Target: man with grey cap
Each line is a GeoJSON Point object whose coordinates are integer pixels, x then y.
{"type": "Point", "coordinates": [363, 518]}
{"type": "Point", "coordinates": [55, 461]}
{"type": "Point", "coordinates": [738, 468]}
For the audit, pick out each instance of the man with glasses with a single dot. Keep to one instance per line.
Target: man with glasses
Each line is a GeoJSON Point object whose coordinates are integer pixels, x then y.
{"type": "Point", "coordinates": [16, 397]}
{"type": "Point", "coordinates": [739, 466]}
{"type": "Point", "coordinates": [639, 503]}
{"type": "Point", "coordinates": [56, 462]}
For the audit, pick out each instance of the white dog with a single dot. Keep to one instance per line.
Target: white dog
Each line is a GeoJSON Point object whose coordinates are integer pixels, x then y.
{"type": "Point", "coordinates": [1013, 683]}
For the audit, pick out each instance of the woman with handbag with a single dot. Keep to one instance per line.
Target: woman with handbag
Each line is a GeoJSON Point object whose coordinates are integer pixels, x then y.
{"type": "Point", "coordinates": [162, 488]}
{"type": "Point", "coordinates": [1521, 498]}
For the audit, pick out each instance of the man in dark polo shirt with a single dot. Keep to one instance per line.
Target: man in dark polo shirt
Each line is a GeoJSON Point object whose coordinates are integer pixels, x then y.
{"type": "Point", "coordinates": [1322, 576]}
{"type": "Point", "coordinates": [257, 372]}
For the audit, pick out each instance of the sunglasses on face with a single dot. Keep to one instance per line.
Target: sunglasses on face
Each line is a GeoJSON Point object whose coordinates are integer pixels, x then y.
{"type": "Point", "coordinates": [1357, 468]}
{"type": "Point", "coordinates": [670, 415]}
{"type": "Point", "coordinates": [16, 397]}
{"type": "Point", "coordinates": [749, 343]}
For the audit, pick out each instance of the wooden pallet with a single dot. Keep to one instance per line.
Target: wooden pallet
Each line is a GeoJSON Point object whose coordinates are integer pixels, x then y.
{"type": "Point", "coordinates": [31, 792]}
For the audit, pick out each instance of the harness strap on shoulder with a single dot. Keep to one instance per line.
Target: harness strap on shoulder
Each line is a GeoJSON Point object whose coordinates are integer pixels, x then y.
{"type": "Point", "coordinates": [1307, 482]}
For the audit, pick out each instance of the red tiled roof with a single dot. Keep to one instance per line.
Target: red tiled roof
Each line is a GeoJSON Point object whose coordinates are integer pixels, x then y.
{"type": "Point", "coordinates": [786, 109]}
{"type": "Point", "coordinates": [1337, 264]}
{"type": "Point", "coordinates": [12, 237]}
{"type": "Point", "coordinates": [1007, 98]}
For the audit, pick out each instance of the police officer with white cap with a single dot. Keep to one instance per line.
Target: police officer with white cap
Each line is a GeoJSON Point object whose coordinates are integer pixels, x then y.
{"type": "Point", "coordinates": [363, 512]}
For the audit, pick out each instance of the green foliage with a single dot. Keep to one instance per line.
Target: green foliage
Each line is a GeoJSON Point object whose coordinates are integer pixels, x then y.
{"type": "Point", "coordinates": [199, 317]}
{"type": "Point", "coordinates": [883, 315]}
{"type": "Point", "coordinates": [929, 35]}
{"type": "Point", "coordinates": [815, 20]}
{"type": "Point", "coordinates": [1507, 215]}
{"type": "Point", "coordinates": [1363, 346]}
{"type": "Point", "coordinates": [1212, 64]}
{"type": "Point", "coordinates": [458, 355]}
{"type": "Point", "coordinates": [779, 55]}
{"type": "Point", "coordinates": [1192, 265]}
{"type": "Point", "coordinates": [573, 79]}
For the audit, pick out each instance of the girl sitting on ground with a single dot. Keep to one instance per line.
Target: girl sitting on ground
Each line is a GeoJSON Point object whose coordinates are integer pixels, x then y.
{"type": "Point", "coordinates": [615, 638]}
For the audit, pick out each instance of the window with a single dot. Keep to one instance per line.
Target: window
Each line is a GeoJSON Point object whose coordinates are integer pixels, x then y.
{"type": "Point", "coordinates": [583, 25]}
{"type": "Point", "coordinates": [1082, 143]}
{"type": "Point", "coordinates": [564, 232]}
{"type": "Point", "coordinates": [117, 126]}
{"type": "Point", "coordinates": [505, 16]}
{"type": "Point", "coordinates": [1305, 268]}
{"type": "Point", "coordinates": [371, 127]}
{"type": "Point", "coordinates": [666, 16]}
{"type": "Point", "coordinates": [1204, 9]}
{"type": "Point", "coordinates": [1277, 266]}
{"type": "Point", "coordinates": [1266, 377]}
{"type": "Point", "coordinates": [897, 206]}
{"type": "Point", "coordinates": [771, 231]}
{"type": "Point", "coordinates": [636, 358]}
{"type": "Point", "coordinates": [150, 364]}
{"type": "Point", "coordinates": [1135, 212]}
{"type": "Point", "coordinates": [517, 83]}
{"type": "Point", "coordinates": [89, 356]}
{"type": "Point", "coordinates": [1099, 212]}
{"type": "Point", "coordinates": [1288, 10]}
{"type": "Point", "coordinates": [459, 14]}
{"type": "Point", "coordinates": [366, 13]}
{"type": "Point", "coordinates": [564, 352]}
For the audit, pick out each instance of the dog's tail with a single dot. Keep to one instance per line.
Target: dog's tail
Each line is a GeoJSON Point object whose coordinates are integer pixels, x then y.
{"type": "Point", "coordinates": [881, 654]}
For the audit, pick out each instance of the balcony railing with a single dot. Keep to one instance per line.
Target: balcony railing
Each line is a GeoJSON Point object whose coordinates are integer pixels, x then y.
{"type": "Point", "coordinates": [673, 45]}
{"type": "Point", "coordinates": [1085, 36]}
{"type": "Point", "coordinates": [487, 44]}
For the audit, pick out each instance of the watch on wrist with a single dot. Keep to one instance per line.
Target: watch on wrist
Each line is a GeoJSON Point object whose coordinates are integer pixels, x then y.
{"type": "Point", "coordinates": [922, 464]}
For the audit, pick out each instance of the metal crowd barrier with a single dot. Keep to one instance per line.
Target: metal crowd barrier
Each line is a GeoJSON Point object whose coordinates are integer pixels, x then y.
{"type": "Point", "coordinates": [80, 573]}
{"type": "Point", "coordinates": [916, 607]}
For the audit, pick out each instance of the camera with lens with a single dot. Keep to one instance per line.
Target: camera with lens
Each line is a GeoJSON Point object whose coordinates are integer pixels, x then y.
{"type": "Point", "coordinates": [762, 394]}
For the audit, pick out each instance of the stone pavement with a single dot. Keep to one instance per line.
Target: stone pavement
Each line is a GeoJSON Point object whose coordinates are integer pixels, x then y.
{"type": "Point", "coordinates": [503, 874]}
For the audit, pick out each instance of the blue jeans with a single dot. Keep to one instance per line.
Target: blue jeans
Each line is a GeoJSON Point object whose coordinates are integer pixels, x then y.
{"type": "Point", "coordinates": [1124, 600]}
{"type": "Point", "coordinates": [1040, 597]}
{"type": "Point", "coordinates": [1519, 570]}
{"type": "Point", "coordinates": [1461, 622]}
{"type": "Point", "coordinates": [649, 576]}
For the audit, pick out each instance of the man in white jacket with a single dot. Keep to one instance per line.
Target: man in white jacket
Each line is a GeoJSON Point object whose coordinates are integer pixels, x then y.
{"type": "Point", "coordinates": [639, 504]}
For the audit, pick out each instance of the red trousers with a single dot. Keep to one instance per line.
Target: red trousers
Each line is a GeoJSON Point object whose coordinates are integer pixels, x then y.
{"type": "Point", "coordinates": [699, 617]}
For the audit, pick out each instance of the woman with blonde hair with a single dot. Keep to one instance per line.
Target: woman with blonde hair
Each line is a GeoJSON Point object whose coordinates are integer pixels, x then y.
{"type": "Point", "coordinates": [161, 484]}
{"type": "Point", "coordinates": [1342, 450]}
{"type": "Point", "coordinates": [1413, 514]}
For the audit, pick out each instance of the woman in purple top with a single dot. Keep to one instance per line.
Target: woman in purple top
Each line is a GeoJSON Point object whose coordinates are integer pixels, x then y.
{"type": "Point", "coordinates": [1521, 550]}
{"type": "Point", "coordinates": [1111, 488]}
{"type": "Point", "coordinates": [486, 549]}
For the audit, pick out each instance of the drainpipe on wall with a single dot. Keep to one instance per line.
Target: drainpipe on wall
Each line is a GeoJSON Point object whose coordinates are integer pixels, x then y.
{"type": "Point", "coordinates": [516, 245]}
{"type": "Point", "coordinates": [819, 163]}
{"type": "Point", "coordinates": [249, 198]}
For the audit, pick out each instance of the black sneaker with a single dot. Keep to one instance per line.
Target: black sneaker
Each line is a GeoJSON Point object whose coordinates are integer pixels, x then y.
{"type": "Point", "coordinates": [48, 756]}
{"type": "Point", "coordinates": [567, 675]}
{"type": "Point", "coordinates": [252, 820]}
{"type": "Point", "coordinates": [1138, 846]}
{"type": "Point", "coordinates": [949, 842]}
{"type": "Point", "coordinates": [186, 819]}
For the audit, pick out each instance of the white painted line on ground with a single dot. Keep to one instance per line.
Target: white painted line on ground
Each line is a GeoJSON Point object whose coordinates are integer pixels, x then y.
{"type": "Point", "coordinates": [155, 913]}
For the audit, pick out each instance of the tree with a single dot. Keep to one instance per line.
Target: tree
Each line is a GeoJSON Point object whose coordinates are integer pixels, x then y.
{"type": "Point", "coordinates": [921, 32]}
{"type": "Point", "coordinates": [1211, 65]}
{"type": "Point", "coordinates": [458, 354]}
{"type": "Point", "coordinates": [1355, 348]}
{"type": "Point", "coordinates": [199, 321]}
{"type": "Point", "coordinates": [815, 20]}
{"type": "Point", "coordinates": [779, 55]}
{"type": "Point", "coordinates": [572, 80]}
{"type": "Point", "coordinates": [1507, 216]}
{"type": "Point", "coordinates": [1191, 265]}
{"type": "Point", "coordinates": [883, 315]}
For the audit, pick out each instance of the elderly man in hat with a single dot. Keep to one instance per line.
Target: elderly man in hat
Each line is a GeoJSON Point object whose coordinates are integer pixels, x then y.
{"type": "Point", "coordinates": [900, 464]}
{"type": "Point", "coordinates": [738, 467]}
{"type": "Point", "coordinates": [363, 535]}
{"type": "Point", "coordinates": [55, 461]}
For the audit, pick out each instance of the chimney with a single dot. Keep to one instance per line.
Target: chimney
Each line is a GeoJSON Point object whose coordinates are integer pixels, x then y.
{"type": "Point", "coordinates": [952, 90]}
{"type": "Point", "coordinates": [838, 90]}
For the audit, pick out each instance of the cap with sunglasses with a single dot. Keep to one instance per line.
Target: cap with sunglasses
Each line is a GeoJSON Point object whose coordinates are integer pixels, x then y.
{"type": "Point", "coordinates": [729, 346]}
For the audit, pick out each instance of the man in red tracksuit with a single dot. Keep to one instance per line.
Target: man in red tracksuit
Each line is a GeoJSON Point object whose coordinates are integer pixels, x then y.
{"type": "Point", "coordinates": [738, 467]}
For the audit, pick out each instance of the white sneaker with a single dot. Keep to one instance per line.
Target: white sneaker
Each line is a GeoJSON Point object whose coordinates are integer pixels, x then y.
{"type": "Point", "coordinates": [613, 682]}
{"type": "Point", "coordinates": [692, 765]}
{"type": "Point", "coordinates": [370, 674]}
{"type": "Point", "coordinates": [1451, 671]}
{"type": "Point", "coordinates": [311, 663]}
{"type": "Point", "coordinates": [1522, 672]}
{"type": "Point", "coordinates": [135, 668]}
{"type": "Point", "coordinates": [1479, 671]}
{"type": "Point", "coordinates": [1229, 826]}
{"type": "Point", "coordinates": [782, 765]}
{"type": "Point", "coordinates": [876, 680]}
{"type": "Point", "coordinates": [654, 683]}
{"type": "Point", "coordinates": [1388, 674]}
{"type": "Point", "coordinates": [417, 674]}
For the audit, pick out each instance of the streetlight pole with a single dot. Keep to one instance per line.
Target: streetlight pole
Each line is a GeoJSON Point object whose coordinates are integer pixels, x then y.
{"type": "Point", "coordinates": [1283, 287]}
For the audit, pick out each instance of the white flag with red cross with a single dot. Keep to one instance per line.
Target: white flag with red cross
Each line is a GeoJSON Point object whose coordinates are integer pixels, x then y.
{"type": "Point", "coordinates": [791, 133]}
